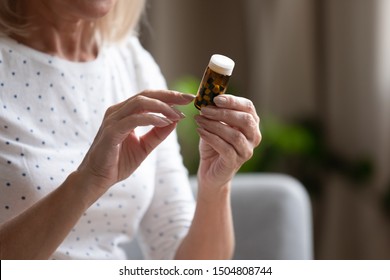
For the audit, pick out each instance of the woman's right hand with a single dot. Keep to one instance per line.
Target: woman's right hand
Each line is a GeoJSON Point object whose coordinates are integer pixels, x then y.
{"type": "Point", "coordinates": [117, 151]}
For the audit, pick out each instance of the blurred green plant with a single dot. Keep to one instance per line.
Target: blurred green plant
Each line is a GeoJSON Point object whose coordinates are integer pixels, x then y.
{"type": "Point", "coordinates": [186, 129]}
{"type": "Point", "coordinates": [297, 148]}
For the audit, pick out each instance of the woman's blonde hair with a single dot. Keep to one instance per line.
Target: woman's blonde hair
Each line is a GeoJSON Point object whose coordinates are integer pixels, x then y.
{"type": "Point", "coordinates": [116, 25]}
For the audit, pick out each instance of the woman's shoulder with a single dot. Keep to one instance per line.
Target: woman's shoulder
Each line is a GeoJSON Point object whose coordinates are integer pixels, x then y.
{"type": "Point", "coordinates": [147, 69]}
{"type": "Point", "coordinates": [6, 45]}
{"type": "Point", "coordinates": [5, 41]}
{"type": "Point", "coordinates": [138, 51]}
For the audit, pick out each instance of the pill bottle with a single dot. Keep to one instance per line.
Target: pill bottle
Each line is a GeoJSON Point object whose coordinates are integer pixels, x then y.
{"type": "Point", "coordinates": [215, 80]}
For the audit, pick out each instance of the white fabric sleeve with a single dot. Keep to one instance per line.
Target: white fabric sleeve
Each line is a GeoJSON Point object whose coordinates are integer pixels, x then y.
{"type": "Point", "coordinates": [171, 211]}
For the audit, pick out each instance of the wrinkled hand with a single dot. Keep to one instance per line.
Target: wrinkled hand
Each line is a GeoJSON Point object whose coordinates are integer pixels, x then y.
{"type": "Point", "coordinates": [117, 151]}
{"type": "Point", "coordinates": [229, 133]}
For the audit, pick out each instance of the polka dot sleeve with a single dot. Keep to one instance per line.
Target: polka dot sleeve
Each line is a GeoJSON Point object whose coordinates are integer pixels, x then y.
{"type": "Point", "coordinates": [170, 214]}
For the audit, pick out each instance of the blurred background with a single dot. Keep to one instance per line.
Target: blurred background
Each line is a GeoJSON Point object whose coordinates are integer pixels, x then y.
{"type": "Point", "coordinates": [318, 72]}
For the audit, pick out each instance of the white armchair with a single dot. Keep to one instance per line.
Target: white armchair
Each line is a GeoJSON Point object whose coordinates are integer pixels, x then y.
{"type": "Point", "coordinates": [272, 218]}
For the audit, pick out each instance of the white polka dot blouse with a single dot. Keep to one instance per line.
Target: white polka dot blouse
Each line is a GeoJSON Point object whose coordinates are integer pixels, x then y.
{"type": "Point", "coordinates": [50, 112]}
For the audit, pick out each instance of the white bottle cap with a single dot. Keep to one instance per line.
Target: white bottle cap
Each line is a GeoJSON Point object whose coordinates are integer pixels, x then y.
{"type": "Point", "coordinates": [221, 64]}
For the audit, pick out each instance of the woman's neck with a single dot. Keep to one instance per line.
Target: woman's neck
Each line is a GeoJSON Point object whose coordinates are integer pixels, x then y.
{"type": "Point", "coordinates": [69, 45]}
{"type": "Point", "coordinates": [69, 38]}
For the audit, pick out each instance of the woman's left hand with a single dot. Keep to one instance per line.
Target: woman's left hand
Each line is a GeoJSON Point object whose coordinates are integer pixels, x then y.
{"type": "Point", "coordinates": [229, 133]}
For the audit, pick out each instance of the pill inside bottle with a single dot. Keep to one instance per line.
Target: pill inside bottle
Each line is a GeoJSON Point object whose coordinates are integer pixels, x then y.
{"type": "Point", "coordinates": [215, 80]}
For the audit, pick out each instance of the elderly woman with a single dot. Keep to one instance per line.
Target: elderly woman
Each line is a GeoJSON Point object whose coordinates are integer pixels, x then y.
{"type": "Point", "coordinates": [89, 156]}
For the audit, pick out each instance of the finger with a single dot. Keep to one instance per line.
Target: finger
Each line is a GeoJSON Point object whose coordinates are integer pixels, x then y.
{"type": "Point", "coordinates": [237, 103]}
{"type": "Point", "coordinates": [225, 150]}
{"type": "Point", "coordinates": [243, 121]}
{"type": "Point", "coordinates": [142, 104]}
{"type": "Point", "coordinates": [155, 136]}
{"type": "Point", "coordinates": [233, 137]}
{"type": "Point", "coordinates": [165, 96]}
{"type": "Point", "coordinates": [116, 132]}
{"type": "Point", "coordinates": [170, 97]}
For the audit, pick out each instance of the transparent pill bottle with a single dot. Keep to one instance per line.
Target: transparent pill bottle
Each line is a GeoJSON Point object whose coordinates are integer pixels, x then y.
{"type": "Point", "coordinates": [215, 80]}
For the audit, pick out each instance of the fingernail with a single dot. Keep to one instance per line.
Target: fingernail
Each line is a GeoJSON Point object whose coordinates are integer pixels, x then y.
{"type": "Point", "coordinates": [207, 111]}
{"type": "Point", "coordinates": [188, 96]}
{"type": "Point", "coordinates": [166, 121]}
{"type": "Point", "coordinates": [200, 121]}
{"type": "Point", "coordinates": [202, 131]}
{"type": "Point", "coordinates": [179, 113]}
{"type": "Point", "coordinates": [220, 100]}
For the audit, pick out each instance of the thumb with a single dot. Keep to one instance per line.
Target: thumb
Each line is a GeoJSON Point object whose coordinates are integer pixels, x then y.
{"type": "Point", "coordinates": [155, 136]}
